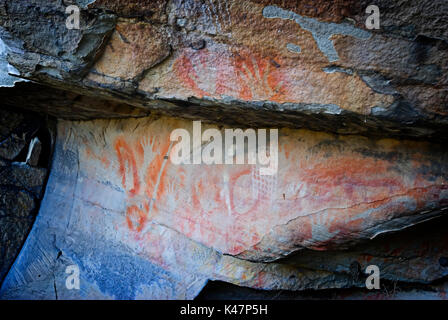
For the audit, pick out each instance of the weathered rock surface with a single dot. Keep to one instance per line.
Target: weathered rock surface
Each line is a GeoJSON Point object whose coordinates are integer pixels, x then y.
{"type": "Point", "coordinates": [117, 208]}
{"type": "Point", "coordinates": [17, 212]}
{"type": "Point", "coordinates": [312, 65]}
{"type": "Point", "coordinates": [16, 130]}
{"type": "Point", "coordinates": [21, 186]}
{"type": "Point", "coordinates": [363, 122]}
{"type": "Point", "coordinates": [63, 104]}
{"type": "Point", "coordinates": [329, 190]}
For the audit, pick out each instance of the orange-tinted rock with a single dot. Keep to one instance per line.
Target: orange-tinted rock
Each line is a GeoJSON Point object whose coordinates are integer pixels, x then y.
{"type": "Point", "coordinates": [329, 192]}
{"type": "Point", "coordinates": [303, 65]}
{"type": "Point", "coordinates": [132, 49]}
{"type": "Point", "coordinates": [113, 200]}
{"type": "Point", "coordinates": [363, 122]}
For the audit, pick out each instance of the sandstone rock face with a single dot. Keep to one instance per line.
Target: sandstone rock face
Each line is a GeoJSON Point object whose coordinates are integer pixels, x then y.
{"type": "Point", "coordinates": [329, 190]}
{"type": "Point", "coordinates": [118, 198]}
{"type": "Point", "coordinates": [362, 118]}
{"type": "Point", "coordinates": [313, 64]}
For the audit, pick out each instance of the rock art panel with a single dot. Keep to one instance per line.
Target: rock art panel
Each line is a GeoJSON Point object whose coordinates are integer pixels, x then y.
{"type": "Point", "coordinates": [291, 62]}
{"type": "Point", "coordinates": [352, 192]}
{"type": "Point", "coordinates": [328, 190]}
{"type": "Point", "coordinates": [119, 209]}
{"type": "Point", "coordinates": [221, 72]}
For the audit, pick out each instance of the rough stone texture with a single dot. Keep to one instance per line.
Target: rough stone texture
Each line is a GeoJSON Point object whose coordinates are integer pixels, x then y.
{"type": "Point", "coordinates": [329, 190]}
{"type": "Point", "coordinates": [98, 212]}
{"type": "Point", "coordinates": [310, 64]}
{"type": "Point", "coordinates": [34, 152]}
{"type": "Point", "coordinates": [6, 80]}
{"type": "Point", "coordinates": [65, 104]}
{"type": "Point", "coordinates": [21, 186]}
{"type": "Point", "coordinates": [17, 212]}
{"type": "Point", "coordinates": [24, 177]}
{"type": "Point", "coordinates": [16, 130]}
{"type": "Point", "coordinates": [363, 124]}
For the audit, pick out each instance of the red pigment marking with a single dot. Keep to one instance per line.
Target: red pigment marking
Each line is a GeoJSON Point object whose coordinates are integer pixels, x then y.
{"type": "Point", "coordinates": [256, 78]}
{"type": "Point", "coordinates": [125, 155]}
{"type": "Point", "coordinates": [152, 174]}
{"type": "Point", "coordinates": [186, 72]}
{"type": "Point", "coordinates": [140, 152]}
{"type": "Point", "coordinates": [105, 162]}
{"type": "Point", "coordinates": [135, 218]}
{"type": "Point", "coordinates": [232, 182]}
{"type": "Point", "coordinates": [242, 74]}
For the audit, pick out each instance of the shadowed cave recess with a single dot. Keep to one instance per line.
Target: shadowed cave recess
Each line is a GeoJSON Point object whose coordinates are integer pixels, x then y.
{"type": "Point", "coordinates": [88, 181]}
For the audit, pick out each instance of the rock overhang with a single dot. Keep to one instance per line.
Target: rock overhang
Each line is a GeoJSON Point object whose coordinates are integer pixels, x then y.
{"type": "Point", "coordinates": [361, 115]}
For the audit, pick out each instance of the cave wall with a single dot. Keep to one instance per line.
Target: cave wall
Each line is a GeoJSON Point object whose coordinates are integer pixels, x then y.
{"type": "Point", "coordinates": [362, 167]}
{"type": "Point", "coordinates": [141, 227]}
